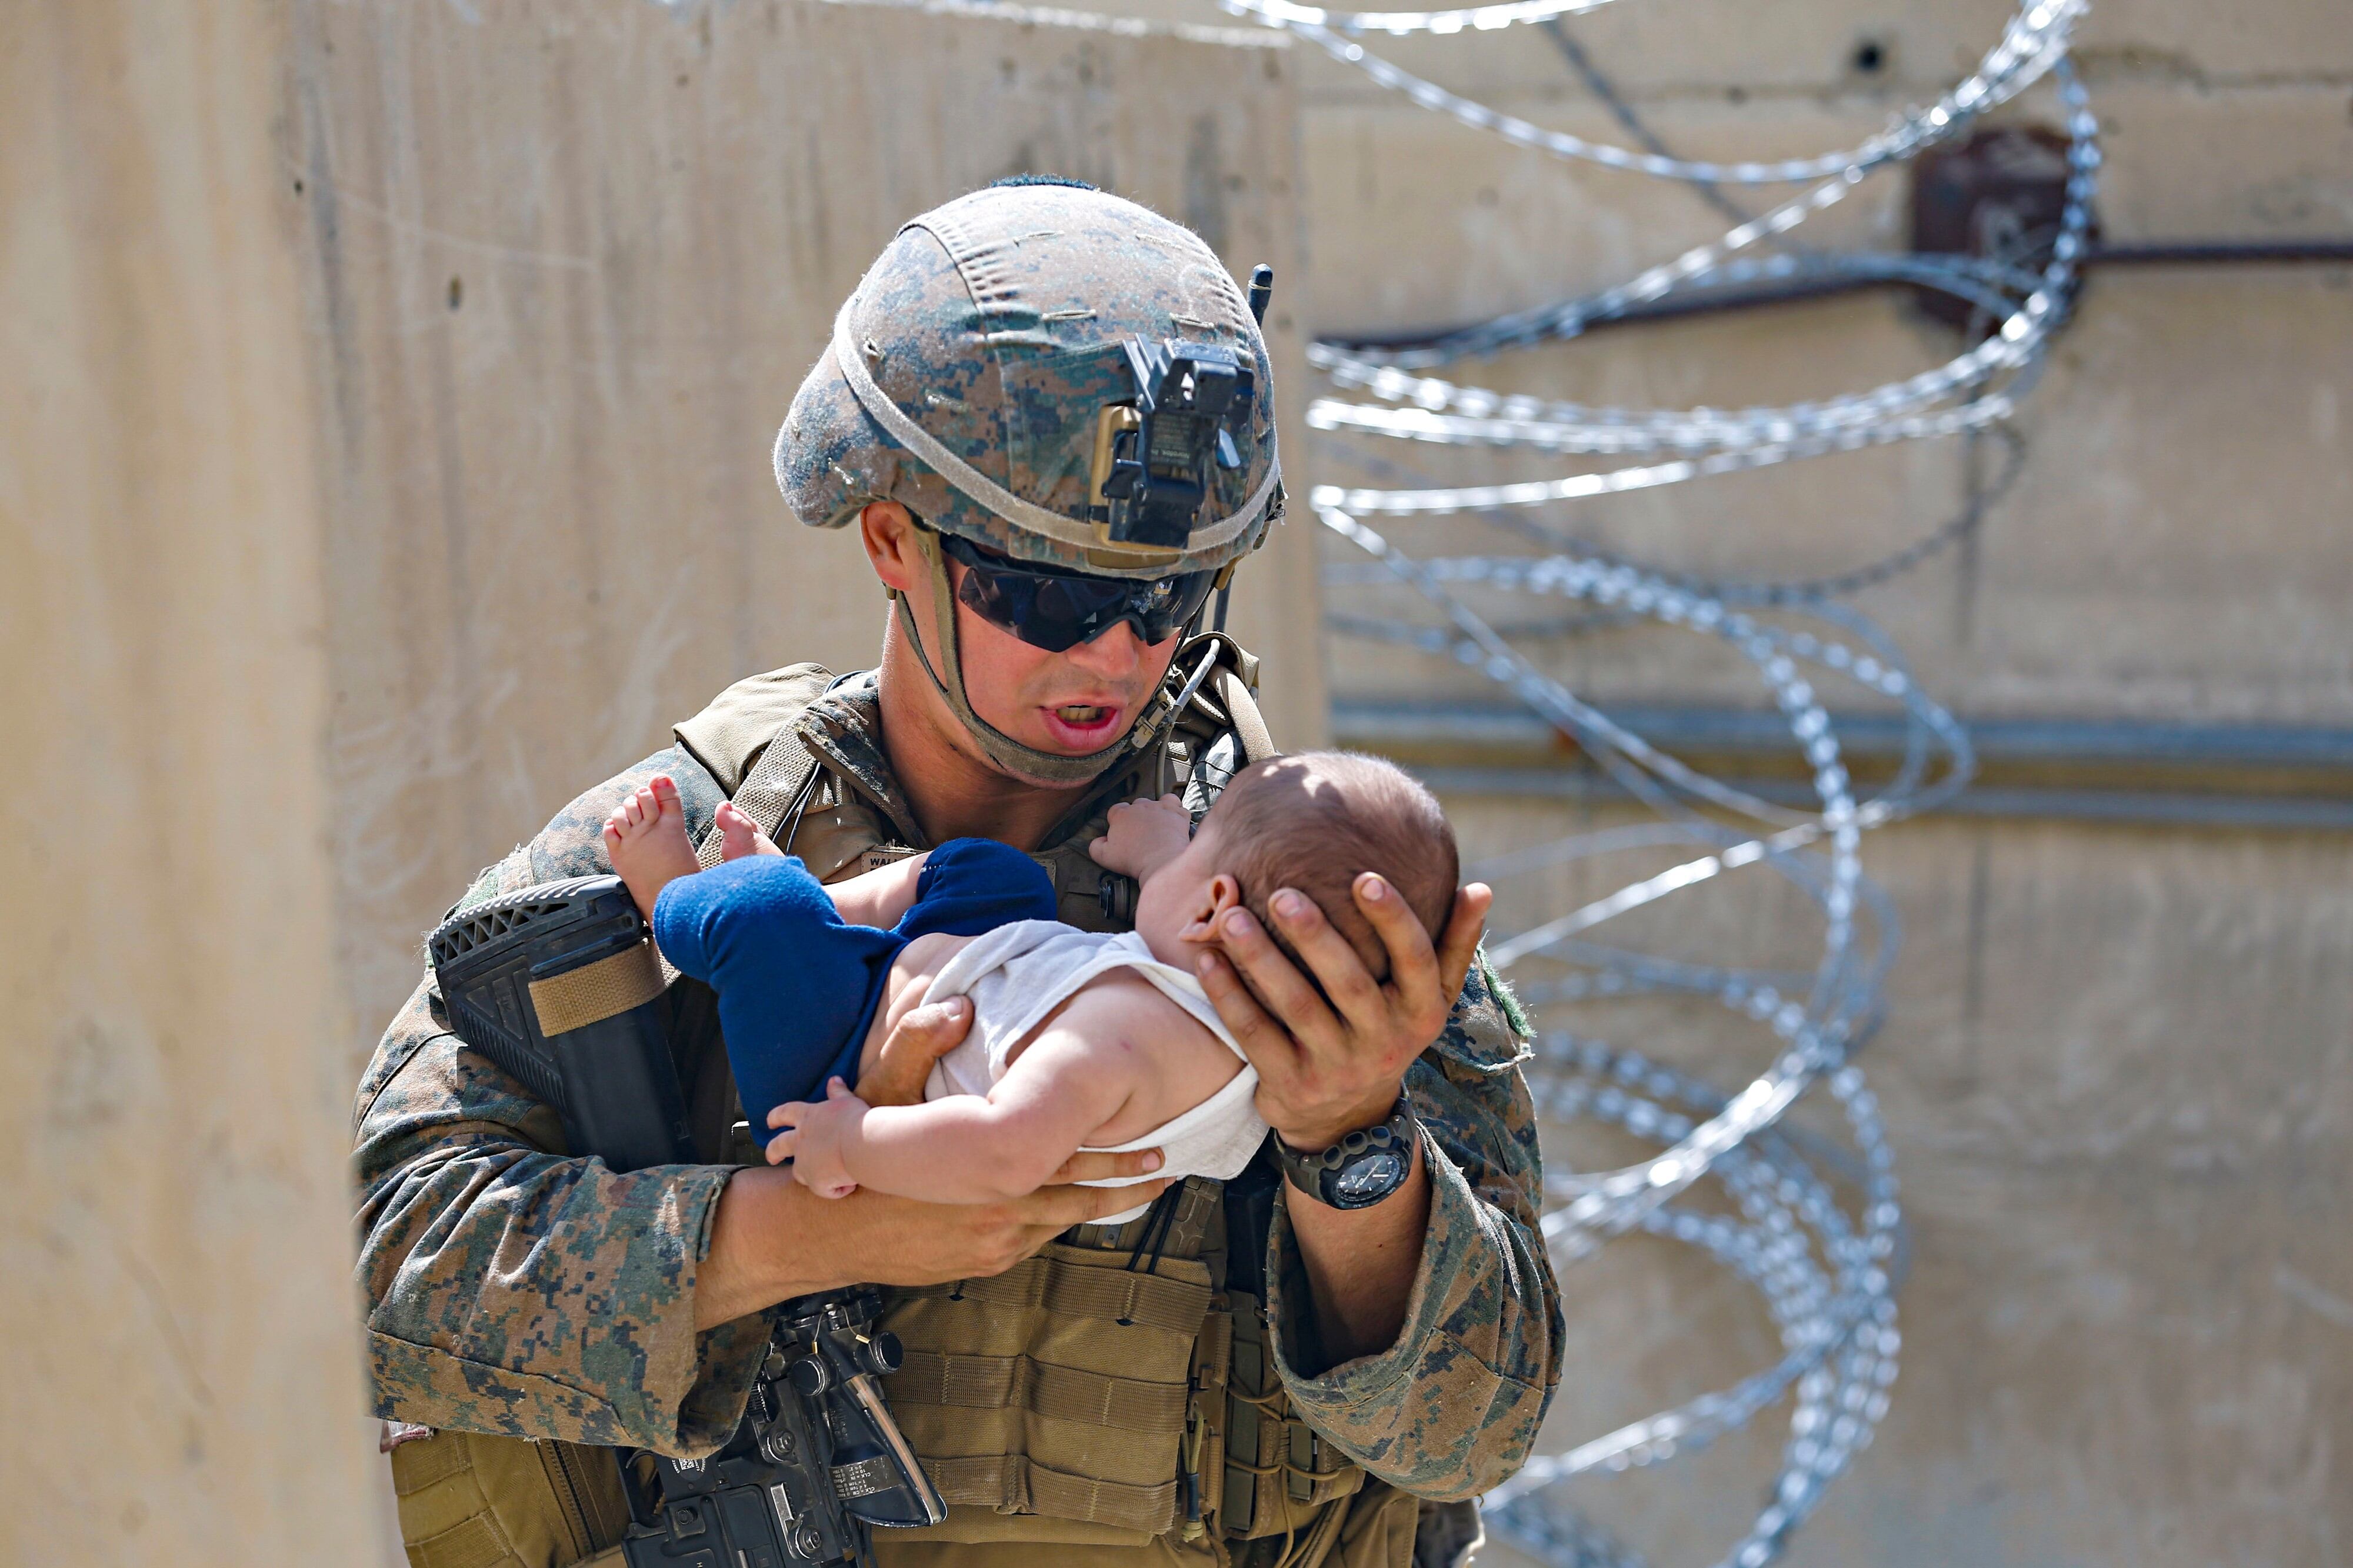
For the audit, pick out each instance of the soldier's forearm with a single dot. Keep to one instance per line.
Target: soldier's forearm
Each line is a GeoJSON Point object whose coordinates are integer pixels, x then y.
{"type": "Point", "coordinates": [772, 1239]}
{"type": "Point", "coordinates": [1360, 1266]}
{"type": "Point", "coordinates": [1452, 1404]}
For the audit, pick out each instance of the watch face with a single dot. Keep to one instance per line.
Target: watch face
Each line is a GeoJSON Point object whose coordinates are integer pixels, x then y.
{"type": "Point", "coordinates": [1368, 1179]}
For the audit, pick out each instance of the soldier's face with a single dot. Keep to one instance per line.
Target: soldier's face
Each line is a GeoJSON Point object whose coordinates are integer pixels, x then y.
{"type": "Point", "coordinates": [1070, 703]}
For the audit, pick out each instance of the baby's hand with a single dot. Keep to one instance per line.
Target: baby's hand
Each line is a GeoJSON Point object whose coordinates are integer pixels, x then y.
{"type": "Point", "coordinates": [813, 1138]}
{"type": "Point", "coordinates": [1143, 836]}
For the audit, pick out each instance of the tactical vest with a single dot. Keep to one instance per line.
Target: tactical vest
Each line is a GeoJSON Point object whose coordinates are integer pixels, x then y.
{"type": "Point", "coordinates": [1114, 1396]}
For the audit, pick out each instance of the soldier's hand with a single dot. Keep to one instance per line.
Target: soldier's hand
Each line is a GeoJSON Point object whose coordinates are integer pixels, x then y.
{"type": "Point", "coordinates": [1326, 1070]}
{"type": "Point", "coordinates": [921, 1038]}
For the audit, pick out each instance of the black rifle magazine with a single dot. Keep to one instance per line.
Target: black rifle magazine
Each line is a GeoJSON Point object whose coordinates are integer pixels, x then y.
{"type": "Point", "coordinates": [559, 984]}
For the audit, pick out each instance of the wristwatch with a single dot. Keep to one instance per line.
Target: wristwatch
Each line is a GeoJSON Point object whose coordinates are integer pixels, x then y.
{"type": "Point", "coordinates": [1361, 1168]}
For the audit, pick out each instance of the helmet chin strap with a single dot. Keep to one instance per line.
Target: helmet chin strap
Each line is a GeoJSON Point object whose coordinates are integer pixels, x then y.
{"type": "Point", "coordinates": [1049, 768]}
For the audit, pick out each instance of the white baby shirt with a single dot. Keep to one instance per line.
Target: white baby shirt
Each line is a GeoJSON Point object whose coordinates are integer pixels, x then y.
{"type": "Point", "coordinates": [1019, 972]}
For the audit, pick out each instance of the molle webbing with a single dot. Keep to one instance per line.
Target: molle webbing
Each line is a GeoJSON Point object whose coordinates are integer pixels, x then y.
{"type": "Point", "coordinates": [1061, 1387]}
{"type": "Point", "coordinates": [1042, 1388]}
{"type": "Point", "coordinates": [768, 791]}
{"type": "Point", "coordinates": [1012, 1483]}
{"type": "Point", "coordinates": [1278, 1474]}
{"type": "Point", "coordinates": [1049, 1284]}
{"type": "Point", "coordinates": [468, 1500]}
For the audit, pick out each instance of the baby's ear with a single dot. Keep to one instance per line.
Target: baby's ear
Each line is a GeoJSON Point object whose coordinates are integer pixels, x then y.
{"type": "Point", "coordinates": [1221, 894]}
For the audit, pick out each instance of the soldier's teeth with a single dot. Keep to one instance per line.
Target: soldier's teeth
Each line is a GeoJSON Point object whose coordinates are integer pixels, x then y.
{"type": "Point", "coordinates": [1074, 713]}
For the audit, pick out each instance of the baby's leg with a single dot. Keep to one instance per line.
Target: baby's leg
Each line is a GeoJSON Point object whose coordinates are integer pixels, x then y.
{"type": "Point", "coordinates": [973, 885]}
{"type": "Point", "coordinates": [965, 887]}
{"type": "Point", "coordinates": [797, 984]}
{"type": "Point", "coordinates": [646, 839]}
{"type": "Point", "coordinates": [879, 897]}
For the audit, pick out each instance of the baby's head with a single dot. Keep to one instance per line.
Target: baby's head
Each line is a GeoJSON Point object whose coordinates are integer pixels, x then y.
{"type": "Point", "coordinates": [1314, 821]}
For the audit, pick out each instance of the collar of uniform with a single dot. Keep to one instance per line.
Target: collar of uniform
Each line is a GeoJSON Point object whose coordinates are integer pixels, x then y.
{"type": "Point", "coordinates": [843, 728]}
{"type": "Point", "coordinates": [1090, 815]}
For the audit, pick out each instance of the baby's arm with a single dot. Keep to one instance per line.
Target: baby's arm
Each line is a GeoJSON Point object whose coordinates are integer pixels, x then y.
{"type": "Point", "coordinates": [1077, 1073]}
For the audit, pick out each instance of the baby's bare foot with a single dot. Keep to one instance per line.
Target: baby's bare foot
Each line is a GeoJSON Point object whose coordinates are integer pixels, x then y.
{"type": "Point", "coordinates": [740, 835]}
{"type": "Point", "coordinates": [646, 837]}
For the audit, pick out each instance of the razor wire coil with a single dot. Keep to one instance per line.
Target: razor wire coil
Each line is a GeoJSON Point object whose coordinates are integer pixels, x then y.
{"type": "Point", "coordinates": [1814, 1228]}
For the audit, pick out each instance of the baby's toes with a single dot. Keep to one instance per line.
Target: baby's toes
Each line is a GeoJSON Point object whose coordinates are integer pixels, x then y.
{"type": "Point", "coordinates": [740, 835]}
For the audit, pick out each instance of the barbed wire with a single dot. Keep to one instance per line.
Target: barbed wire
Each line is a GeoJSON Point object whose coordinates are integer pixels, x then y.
{"type": "Point", "coordinates": [1476, 18]}
{"type": "Point", "coordinates": [1815, 1228]}
{"type": "Point", "coordinates": [1983, 496]}
{"type": "Point", "coordinates": [1448, 413]}
{"type": "Point", "coordinates": [1598, 84]}
{"type": "Point", "coordinates": [2035, 41]}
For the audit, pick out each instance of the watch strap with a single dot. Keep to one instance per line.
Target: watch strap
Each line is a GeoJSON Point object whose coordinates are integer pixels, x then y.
{"type": "Point", "coordinates": [1318, 1172]}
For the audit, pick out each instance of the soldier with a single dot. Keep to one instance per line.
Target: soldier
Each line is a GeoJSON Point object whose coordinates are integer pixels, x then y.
{"type": "Point", "coordinates": [1300, 1369]}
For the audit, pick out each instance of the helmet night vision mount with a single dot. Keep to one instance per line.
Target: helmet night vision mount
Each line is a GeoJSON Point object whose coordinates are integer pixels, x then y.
{"type": "Point", "coordinates": [1154, 456]}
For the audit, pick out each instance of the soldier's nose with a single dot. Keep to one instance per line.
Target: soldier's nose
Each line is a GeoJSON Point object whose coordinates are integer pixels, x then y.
{"type": "Point", "coordinates": [1114, 652]}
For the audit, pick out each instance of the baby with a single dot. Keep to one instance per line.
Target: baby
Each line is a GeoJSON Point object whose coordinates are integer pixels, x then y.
{"type": "Point", "coordinates": [1078, 1040]}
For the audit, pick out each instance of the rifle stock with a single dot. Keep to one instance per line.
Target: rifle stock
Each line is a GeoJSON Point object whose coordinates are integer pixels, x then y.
{"type": "Point", "coordinates": [559, 984]}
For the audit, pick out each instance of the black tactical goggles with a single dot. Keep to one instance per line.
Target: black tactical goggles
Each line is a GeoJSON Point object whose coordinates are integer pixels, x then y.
{"type": "Point", "coordinates": [1058, 610]}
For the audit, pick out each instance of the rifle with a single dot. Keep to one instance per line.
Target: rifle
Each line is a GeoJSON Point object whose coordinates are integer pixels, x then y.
{"type": "Point", "coordinates": [559, 986]}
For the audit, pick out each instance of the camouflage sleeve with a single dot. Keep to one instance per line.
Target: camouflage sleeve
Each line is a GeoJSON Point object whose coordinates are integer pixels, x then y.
{"type": "Point", "coordinates": [1452, 1408]}
{"type": "Point", "coordinates": [509, 1288]}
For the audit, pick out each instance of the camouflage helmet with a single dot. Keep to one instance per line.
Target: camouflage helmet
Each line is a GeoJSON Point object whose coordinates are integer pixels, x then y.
{"type": "Point", "coordinates": [1057, 375]}
{"type": "Point", "coordinates": [973, 377]}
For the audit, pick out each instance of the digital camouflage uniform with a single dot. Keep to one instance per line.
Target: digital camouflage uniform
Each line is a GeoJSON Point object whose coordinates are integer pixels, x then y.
{"type": "Point", "coordinates": [514, 1290]}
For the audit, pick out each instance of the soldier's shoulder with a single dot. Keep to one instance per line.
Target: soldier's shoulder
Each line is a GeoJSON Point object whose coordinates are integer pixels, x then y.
{"type": "Point", "coordinates": [573, 842]}
{"type": "Point", "coordinates": [734, 727]}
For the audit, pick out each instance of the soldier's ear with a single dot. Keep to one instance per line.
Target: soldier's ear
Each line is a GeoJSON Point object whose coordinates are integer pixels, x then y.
{"type": "Point", "coordinates": [889, 535]}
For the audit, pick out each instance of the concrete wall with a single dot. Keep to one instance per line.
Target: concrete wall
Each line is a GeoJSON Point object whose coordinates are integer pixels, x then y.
{"type": "Point", "coordinates": [2116, 1075]}
{"type": "Point", "coordinates": [2170, 552]}
{"type": "Point", "coordinates": [385, 425]}
{"type": "Point", "coordinates": [563, 267]}
{"type": "Point", "coordinates": [177, 1337]}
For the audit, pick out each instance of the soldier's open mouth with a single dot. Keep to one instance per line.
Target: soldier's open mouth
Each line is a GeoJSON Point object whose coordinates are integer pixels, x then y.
{"type": "Point", "coordinates": [1080, 726]}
